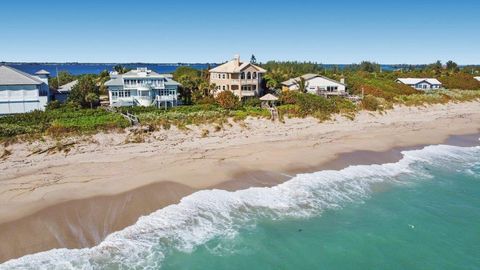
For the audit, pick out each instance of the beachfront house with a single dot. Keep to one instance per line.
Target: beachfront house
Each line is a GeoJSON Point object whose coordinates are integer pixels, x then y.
{"type": "Point", "coordinates": [21, 92]}
{"type": "Point", "coordinates": [423, 84]}
{"type": "Point", "coordinates": [244, 79]}
{"type": "Point", "coordinates": [316, 84]}
{"type": "Point", "coordinates": [62, 93]}
{"type": "Point", "coordinates": [142, 87]}
{"type": "Point", "coordinates": [477, 78]}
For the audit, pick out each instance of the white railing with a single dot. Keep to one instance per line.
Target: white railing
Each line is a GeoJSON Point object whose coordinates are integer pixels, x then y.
{"type": "Point", "coordinates": [244, 81]}
{"type": "Point", "coordinates": [244, 93]}
{"type": "Point", "coordinates": [166, 98]}
{"type": "Point", "coordinates": [146, 85]}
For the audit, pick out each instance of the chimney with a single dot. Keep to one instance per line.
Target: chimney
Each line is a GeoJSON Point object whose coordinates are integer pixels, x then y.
{"type": "Point", "coordinates": [236, 57]}
{"type": "Point", "coordinates": [342, 80]}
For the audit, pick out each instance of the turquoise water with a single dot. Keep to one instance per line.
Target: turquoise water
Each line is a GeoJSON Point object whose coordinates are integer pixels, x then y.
{"type": "Point", "coordinates": [430, 224]}
{"type": "Point", "coordinates": [422, 212]}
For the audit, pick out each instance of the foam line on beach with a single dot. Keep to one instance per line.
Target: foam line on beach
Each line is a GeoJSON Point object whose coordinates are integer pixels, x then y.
{"type": "Point", "coordinates": [208, 214]}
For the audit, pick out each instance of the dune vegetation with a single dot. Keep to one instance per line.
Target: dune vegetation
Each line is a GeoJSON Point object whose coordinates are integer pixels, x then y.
{"type": "Point", "coordinates": [82, 114]}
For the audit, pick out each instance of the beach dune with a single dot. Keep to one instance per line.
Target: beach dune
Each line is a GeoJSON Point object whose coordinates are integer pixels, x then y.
{"type": "Point", "coordinates": [75, 199]}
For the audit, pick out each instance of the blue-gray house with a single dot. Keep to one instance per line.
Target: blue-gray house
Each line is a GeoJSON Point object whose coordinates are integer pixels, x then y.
{"type": "Point", "coordinates": [21, 92]}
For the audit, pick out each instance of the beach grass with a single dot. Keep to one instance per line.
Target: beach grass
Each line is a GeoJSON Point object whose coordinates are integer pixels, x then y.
{"type": "Point", "coordinates": [66, 120]}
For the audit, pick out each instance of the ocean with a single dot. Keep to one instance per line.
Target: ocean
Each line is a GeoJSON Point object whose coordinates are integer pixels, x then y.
{"type": "Point", "coordinates": [95, 68]}
{"type": "Point", "coordinates": [422, 212]}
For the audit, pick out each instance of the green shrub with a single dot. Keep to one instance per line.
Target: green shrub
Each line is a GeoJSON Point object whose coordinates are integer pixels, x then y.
{"type": "Point", "coordinates": [289, 97]}
{"type": "Point", "coordinates": [252, 102]}
{"type": "Point", "coordinates": [371, 103]}
{"type": "Point", "coordinates": [60, 121]}
{"type": "Point", "coordinates": [227, 100]}
{"type": "Point", "coordinates": [460, 81]}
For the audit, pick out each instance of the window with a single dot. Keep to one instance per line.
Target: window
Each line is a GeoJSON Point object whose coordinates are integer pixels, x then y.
{"type": "Point", "coordinates": [249, 75]}
{"type": "Point", "coordinates": [121, 93]}
{"type": "Point", "coordinates": [223, 76]}
{"type": "Point", "coordinates": [254, 75]}
{"type": "Point", "coordinates": [242, 76]}
{"type": "Point", "coordinates": [223, 87]}
{"type": "Point", "coordinates": [332, 88]}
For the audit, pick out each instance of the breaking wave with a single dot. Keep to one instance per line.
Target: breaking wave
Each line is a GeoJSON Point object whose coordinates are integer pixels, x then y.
{"type": "Point", "coordinates": [207, 214]}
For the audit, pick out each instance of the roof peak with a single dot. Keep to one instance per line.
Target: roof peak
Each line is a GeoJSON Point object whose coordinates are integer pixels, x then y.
{"type": "Point", "coordinates": [42, 72]}
{"type": "Point", "coordinates": [13, 76]}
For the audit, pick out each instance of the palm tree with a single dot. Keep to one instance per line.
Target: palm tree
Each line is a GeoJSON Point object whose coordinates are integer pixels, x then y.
{"type": "Point", "coordinates": [91, 98]}
{"type": "Point", "coordinates": [302, 84]}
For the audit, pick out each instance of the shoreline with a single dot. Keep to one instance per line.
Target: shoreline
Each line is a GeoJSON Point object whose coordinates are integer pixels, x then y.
{"type": "Point", "coordinates": [74, 219]}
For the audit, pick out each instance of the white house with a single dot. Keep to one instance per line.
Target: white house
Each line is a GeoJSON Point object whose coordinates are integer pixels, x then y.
{"type": "Point", "coordinates": [423, 84]}
{"type": "Point", "coordinates": [477, 78]}
{"type": "Point", "coordinates": [21, 92]}
{"type": "Point", "coordinates": [317, 84]}
{"type": "Point", "coordinates": [142, 87]}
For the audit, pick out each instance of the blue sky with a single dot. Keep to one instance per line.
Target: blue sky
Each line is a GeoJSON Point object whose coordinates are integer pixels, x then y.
{"type": "Point", "coordinates": [338, 32]}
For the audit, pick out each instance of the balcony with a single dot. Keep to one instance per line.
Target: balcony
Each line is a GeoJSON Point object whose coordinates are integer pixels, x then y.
{"type": "Point", "coordinates": [244, 81]}
{"type": "Point", "coordinates": [145, 86]}
{"type": "Point", "coordinates": [245, 93]}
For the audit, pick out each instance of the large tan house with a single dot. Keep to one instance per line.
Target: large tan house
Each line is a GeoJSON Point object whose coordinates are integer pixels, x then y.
{"type": "Point", "coordinates": [242, 78]}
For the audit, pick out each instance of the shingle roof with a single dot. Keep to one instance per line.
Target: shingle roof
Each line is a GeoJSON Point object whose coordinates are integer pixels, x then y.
{"type": "Point", "coordinates": [67, 87]}
{"type": "Point", "coordinates": [170, 81]}
{"type": "Point", "coordinates": [115, 81]}
{"type": "Point", "coordinates": [411, 81]}
{"type": "Point", "coordinates": [235, 66]}
{"type": "Point", "coordinates": [12, 76]}
{"type": "Point", "coordinates": [307, 77]}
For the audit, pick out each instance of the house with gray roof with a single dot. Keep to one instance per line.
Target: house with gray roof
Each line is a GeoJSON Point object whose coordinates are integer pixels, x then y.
{"type": "Point", "coordinates": [142, 87]}
{"type": "Point", "coordinates": [21, 92]}
{"type": "Point", "coordinates": [316, 84]}
{"type": "Point", "coordinates": [423, 84]}
{"type": "Point", "coordinates": [63, 91]}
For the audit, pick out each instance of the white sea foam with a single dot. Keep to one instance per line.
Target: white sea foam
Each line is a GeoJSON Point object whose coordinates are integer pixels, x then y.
{"type": "Point", "coordinates": [207, 214]}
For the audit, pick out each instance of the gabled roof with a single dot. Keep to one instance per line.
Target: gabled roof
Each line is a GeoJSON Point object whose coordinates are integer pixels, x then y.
{"type": "Point", "coordinates": [307, 77]}
{"type": "Point", "coordinates": [170, 81]}
{"type": "Point", "coordinates": [12, 76]}
{"type": "Point", "coordinates": [42, 72]}
{"type": "Point", "coordinates": [115, 81]}
{"type": "Point", "coordinates": [67, 87]}
{"type": "Point", "coordinates": [412, 81]}
{"type": "Point", "coordinates": [235, 66]}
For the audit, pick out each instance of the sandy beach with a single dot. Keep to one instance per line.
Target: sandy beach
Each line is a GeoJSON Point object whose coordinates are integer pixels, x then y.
{"type": "Point", "coordinates": [75, 198]}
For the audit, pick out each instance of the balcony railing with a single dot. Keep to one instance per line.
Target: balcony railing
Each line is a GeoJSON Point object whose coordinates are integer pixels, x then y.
{"type": "Point", "coordinates": [245, 93]}
{"type": "Point", "coordinates": [145, 85]}
{"type": "Point", "coordinates": [244, 81]}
